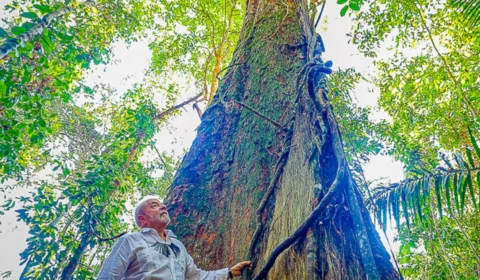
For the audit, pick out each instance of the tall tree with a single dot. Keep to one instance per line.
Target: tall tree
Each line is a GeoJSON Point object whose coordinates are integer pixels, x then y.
{"type": "Point", "coordinates": [267, 154]}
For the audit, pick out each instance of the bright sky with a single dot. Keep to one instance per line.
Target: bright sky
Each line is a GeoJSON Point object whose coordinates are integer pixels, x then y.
{"type": "Point", "coordinates": [133, 62]}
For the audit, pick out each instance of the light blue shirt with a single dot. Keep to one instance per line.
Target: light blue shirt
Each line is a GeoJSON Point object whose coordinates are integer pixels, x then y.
{"type": "Point", "coordinates": [135, 256]}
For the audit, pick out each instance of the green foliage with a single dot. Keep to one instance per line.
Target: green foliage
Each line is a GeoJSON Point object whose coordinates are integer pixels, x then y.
{"type": "Point", "coordinates": [90, 194]}
{"type": "Point", "coordinates": [429, 86]}
{"type": "Point", "coordinates": [45, 72]}
{"type": "Point", "coordinates": [194, 39]}
{"type": "Point", "coordinates": [451, 191]}
{"type": "Point", "coordinates": [445, 249]}
{"type": "Point", "coordinates": [437, 215]}
{"type": "Point", "coordinates": [101, 169]}
{"type": "Point", "coordinates": [353, 5]}
{"type": "Point", "coordinates": [471, 10]}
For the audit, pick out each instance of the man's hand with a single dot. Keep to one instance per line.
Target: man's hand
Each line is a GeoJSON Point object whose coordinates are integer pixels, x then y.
{"type": "Point", "coordinates": [237, 269]}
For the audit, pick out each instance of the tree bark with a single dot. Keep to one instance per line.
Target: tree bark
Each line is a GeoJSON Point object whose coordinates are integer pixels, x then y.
{"type": "Point", "coordinates": [238, 154]}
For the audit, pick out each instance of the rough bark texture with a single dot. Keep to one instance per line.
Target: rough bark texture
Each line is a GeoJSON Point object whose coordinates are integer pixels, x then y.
{"type": "Point", "coordinates": [223, 178]}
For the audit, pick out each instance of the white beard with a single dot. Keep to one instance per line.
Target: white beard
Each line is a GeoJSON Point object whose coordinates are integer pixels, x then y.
{"type": "Point", "coordinates": [165, 219]}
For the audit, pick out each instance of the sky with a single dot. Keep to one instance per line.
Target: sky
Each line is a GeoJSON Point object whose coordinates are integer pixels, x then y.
{"type": "Point", "coordinates": [132, 63]}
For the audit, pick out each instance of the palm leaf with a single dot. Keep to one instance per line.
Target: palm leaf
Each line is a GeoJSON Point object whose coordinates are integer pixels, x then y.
{"type": "Point", "coordinates": [470, 10]}
{"type": "Point", "coordinates": [439, 197]}
{"type": "Point", "coordinates": [410, 199]}
{"type": "Point", "coordinates": [446, 186]}
{"type": "Point", "coordinates": [428, 195]}
{"type": "Point", "coordinates": [474, 143]}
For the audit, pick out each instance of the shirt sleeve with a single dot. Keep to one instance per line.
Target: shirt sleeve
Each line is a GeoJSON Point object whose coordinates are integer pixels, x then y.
{"type": "Point", "coordinates": [117, 262]}
{"type": "Point", "coordinates": [192, 272]}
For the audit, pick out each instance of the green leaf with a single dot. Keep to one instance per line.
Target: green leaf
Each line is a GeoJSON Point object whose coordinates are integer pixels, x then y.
{"type": "Point", "coordinates": [43, 8]}
{"type": "Point", "coordinates": [29, 47]}
{"type": "Point", "coordinates": [446, 186]}
{"type": "Point", "coordinates": [470, 158]}
{"type": "Point", "coordinates": [470, 188]}
{"type": "Point", "coordinates": [47, 44]}
{"type": "Point", "coordinates": [418, 200]}
{"type": "Point", "coordinates": [455, 192]}
{"type": "Point", "coordinates": [3, 33]}
{"type": "Point", "coordinates": [3, 88]}
{"type": "Point", "coordinates": [18, 30]}
{"type": "Point", "coordinates": [30, 15]}
{"type": "Point", "coordinates": [354, 6]}
{"type": "Point", "coordinates": [341, 2]}
{"type": "Point", "coordinates": [344, 10]}
{"type": "Point", "coordinates": [474, 143]}
{"type": "Point", "coordinates": [463, 191]}
{"type": "Point", "coordinates": [438, 188]}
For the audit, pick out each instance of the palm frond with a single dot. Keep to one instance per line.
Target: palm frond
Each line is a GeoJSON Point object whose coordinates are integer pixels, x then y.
{"type": "Point", "coordinates": [445, 192]}
{"type": "Point", "coordinates": [470, 9]}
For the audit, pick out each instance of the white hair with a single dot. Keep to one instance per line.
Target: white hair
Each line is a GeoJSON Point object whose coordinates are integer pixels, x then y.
{"type": "Point", "coordinates": [140, 205]}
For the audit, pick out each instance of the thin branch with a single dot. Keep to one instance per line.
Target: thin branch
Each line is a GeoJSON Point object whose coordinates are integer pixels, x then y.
{"type": "Point", "coordinates": [160, 156]}
{"type": "Point", "coordinates": [176, 107]}
{"type": "Point", "coordinates": [205, 85]}
{"type": "Point", "coordinates": [278, 125]}
{"type": "Point", "coordinates": [198, 109]}
{"type": "Point", "coordinates": [213, 27]}
{"type": "Point", "coordinates": [219, 55]}
{"type": "Point", "coordinates": [106, 239]}
{"type": "Point", "coordinates": [320, 15]}
{"type": "Point", "coordinates": [447, 66]}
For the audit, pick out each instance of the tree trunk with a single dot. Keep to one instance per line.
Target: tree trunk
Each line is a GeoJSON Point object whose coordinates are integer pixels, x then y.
{"type": "Point", "coordinates": [239, 152]}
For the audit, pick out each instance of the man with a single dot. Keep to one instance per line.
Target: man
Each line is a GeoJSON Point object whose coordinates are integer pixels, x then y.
{"type": "Point", "coordinates": [155, 253]}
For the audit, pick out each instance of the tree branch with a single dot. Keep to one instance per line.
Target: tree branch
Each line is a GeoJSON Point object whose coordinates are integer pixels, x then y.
{"type": "Point", "coordinates": [260, 115]}
{"type": "Point", "coordinates": [176, 107]}
{"type": "Point", "coordinates": [14, 43]}
{"type": "Point", "coordinates": [320, 15]}
{"type": "Point", "coordinates": [109, 238]}
{"type": "Point", "coordinates": [447, 66]}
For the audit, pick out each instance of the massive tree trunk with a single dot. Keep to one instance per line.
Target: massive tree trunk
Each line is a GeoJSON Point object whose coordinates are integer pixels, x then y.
{"type": "Point", "coordinates": [240, 153]}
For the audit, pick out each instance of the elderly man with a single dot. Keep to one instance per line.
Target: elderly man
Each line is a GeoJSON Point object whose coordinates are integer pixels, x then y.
{"type": "Point", "coordinates": [155, 253]}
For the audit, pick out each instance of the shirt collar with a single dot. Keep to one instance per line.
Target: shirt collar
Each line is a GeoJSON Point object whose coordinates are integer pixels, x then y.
{"type": "Point", "coordinates": [170, 234]}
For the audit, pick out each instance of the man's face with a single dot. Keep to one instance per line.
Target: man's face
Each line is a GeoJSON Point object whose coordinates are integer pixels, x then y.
{"type": "Point", "coordinates": [155, 214]}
